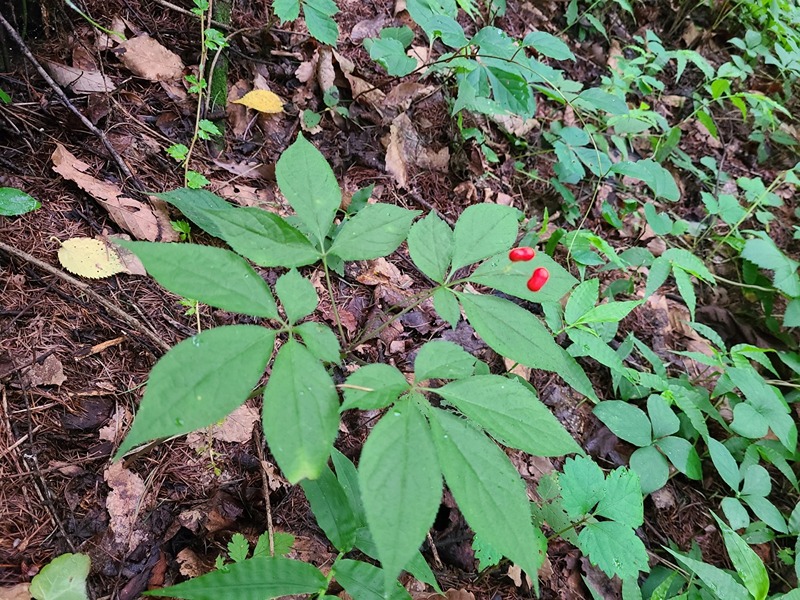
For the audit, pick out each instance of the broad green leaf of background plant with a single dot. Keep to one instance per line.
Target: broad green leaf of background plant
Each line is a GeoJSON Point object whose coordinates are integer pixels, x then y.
{"type": "Point", "coordinates": [320, 341]}
{"type": "Point", "coordinates": [614, 547]}
{"type": "Point", "coordinates": [376, 230]}
{"type": "Point", "coordinates": [748, 564]}
{"type": "Point", "coordinates": [63, 578]}
{"type": "Point", "coordinates": [548, 45]}
{"type": "Point", "coordinates": [763, 252]}
{"type": "Point", "coordinates": [657, 178]}
{"type": "Point", "coordinates": [725, 464]}
{"type": "Point", "coordinates": [481, 231]}
{"type": "Point", "coordinates": [301, 412]}
{"type": "Point", "coordinates": [430, 244]}
{"type": "Point", "coordinates": [366, 582]}
{"type": "Point", "coordinates": [253, 579]}
{"type": "Point", "coordinates": [626, 421]}
{"type": "Point", "coordinates": [209, 275]}
{"type": "Point", "coordinates": [511, 413]}
{"type": "Point", "coordinates": [318, 14]}
{"type": "Point", "coordinates": [194, 205]}
{"type": "Point", "coordinates": [15, 202]}
{"type": "Point", "coordinates": [500, 273]}
{"type": "Point", "coordinates": [332, 509]}
{"type": "Point", "coordinates": [515, 333]}
{"type": "Point", "coordinates": [297, 295]}
{"type": "Point", "coordinates": [446, 304]}
{"type": "Point", "coordinates": [200, 381]}
{"type": "Point", "coordinates": [489, 491]}
{"type": "Point", "coordinates": [718, 581]}
{"type": "Point", "coordinates": [391, 55]}
{"type": "Point", "coordinates": [440, 359]}
{"type": "Point", "coordinates": [263, 237]}
{"type": "Point", "coordinates": [307, 181]}
{"type": "Point", "coordinates": [401, 485]}
{"type": "Point", "coordinates": [373, 387]}
{"type": "Point", "coordinates": [652, 467]}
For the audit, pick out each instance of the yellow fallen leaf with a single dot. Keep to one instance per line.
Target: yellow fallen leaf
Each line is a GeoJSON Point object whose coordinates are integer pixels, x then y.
{"type": "Point", "coordinates": [261, 100]}
{"type": "Point", "coordinates": [91, 258]}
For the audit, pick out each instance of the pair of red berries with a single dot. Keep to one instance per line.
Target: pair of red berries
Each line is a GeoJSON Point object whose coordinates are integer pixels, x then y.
{"type": "Point", "coordinates": [540, 275]}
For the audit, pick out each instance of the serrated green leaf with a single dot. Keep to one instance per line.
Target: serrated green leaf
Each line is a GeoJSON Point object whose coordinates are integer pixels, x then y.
{"type": "Point", "coordinates": [63, 578]}
{"type": "Point", "coordinates": [15, 202]}
{"type": "Point", "coordinates": [286, 10]}
{"type": "Point", "coordinates": [391, 55]}
{"type": "Point", "coordinates": [765, 399]}
{"type": "Point", "coordinates": [376, 230]}
{"type": "Point", "coordinates": [763, 252]}
{"type": "Point", "coordinates": [446, 305]}
{"type": "Point", "coordinates": [194, 205]}
{"type": "Point", "coordinates": [254, 579]}
{"type": "Point", "coordinates": [430, 244]}
{"type": "Point", "coordinates": [367, 582]}
{"type": "Point", "coordinates": [489, 491]}
{"type": "Point", "coordinates": [281, 542]}
{"type": "Point", "coordinates": [481, 231]}
{"type": "Point", "coordinates": [748, 564]}
{"type": "Point", "coordinates": [440, 359]}
{"type": "Point", "coordinates": [238, 547]}
{"type": "Point", "coordinates": [401, 485]}
{"type": "Point", "coordinates": [297, 295]}
{"type": "Point", "coordinates": [626, 421]}
{"type": "Point", "coordinates": [501, 273]}
{"type": "Point", "coordinates": [582, 483]}
{"type": "Point", "coordinates": [656, 177]}
{"type": "Point", "coordinates": [200, 381]}
{"type": "Point", "coordinates": [515, 333]}
{"type": "Point", "coordinates": [652, 468]}
{"type": "Point", "coordinates": [719, 582]}
{"type": "Point", "coordinates": [301, 409]}
{"type": "Point", "coordinates": [596, 99]}
{"type": "Point", "coordinates": [689, 263]}
{"type": "Point", "coordinates": [319, 22]}
{"type": "Point", "coordinates": [320, 341]}
{"type": "Point", "coordinates": [614, 548]}
{"type": "Point", "coordinates": [307, 181]}
{"type": "Point", "coordinates": [263, 237]}
{"type": "Point", "coordinates": [511, 413]}
{"type": "Point", "coordinates": [332, 509]}
{"type": "Point", "coordinates": [209, 275]}
{"type": "Point", "coordinates": [373, 387]}
{"type": "Point", "coordinates": [621, 498]}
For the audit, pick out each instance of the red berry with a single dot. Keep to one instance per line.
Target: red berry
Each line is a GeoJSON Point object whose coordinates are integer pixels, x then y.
{"type": "Point", "coordinates": [538, 279]}
{"type": "Point", "coordinates": [523, 253]}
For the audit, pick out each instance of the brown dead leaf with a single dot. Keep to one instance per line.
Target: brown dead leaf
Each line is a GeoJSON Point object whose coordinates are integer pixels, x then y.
{"type": "Point", "coordinates": [237, 426]}
{"type": "Point", "coordinates": [450, 594]}
{"type": "Point", "coordinates": [147, 58]}
{"type": "Point", "coordinates": [141, 221]}
{"type": "Point", "coordinates": [406, 149]}
{"type": "Point", "coordinates": [515, 574]}
{"type": "Point", "coordinates": [124, 504]}
{"type": "Point", "coordinates": [516, 125]}
{"type": "Point", "coordinates": [21, 591]}
{"type": "Point", "coordinates": [381, 272]}
{"type": "Point", "coordinates": [403, 94]}
{"type": "Point", "coordinates": [367, 28]}
{"type": "Point", "coordinates": [49, 372]}
{"type": "Point", "coordinates": [247, 169]}
{"type": "Point", "coordinates": [363, 91]}
{"type": "Point", "coordinates": [80, 81]}
{"type": "Point", "coordinates": [190, 564]}
{"type": "Point", "coordinates": [116, 426]}
{"type": "Point", "coordinates": [237, 114]}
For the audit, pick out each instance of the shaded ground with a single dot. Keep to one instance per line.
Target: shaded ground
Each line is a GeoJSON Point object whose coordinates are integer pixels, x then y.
{"type": "Point", "coordinates": [71, 371]}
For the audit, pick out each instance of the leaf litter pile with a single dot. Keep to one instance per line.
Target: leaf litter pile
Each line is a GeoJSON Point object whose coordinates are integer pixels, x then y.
{"type": "Point", "coordinates": [81, 327]}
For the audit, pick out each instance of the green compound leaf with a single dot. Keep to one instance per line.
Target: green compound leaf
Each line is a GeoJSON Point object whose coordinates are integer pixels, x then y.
{"type": "Point", "coordinates": [582, 484]}
{"type": "Point", "coordinates": [657, 178]}
{"type": "Point", "coordinates": [286, 10]}
{"type": "Point", "coordinates": [401, 485]}
{"type": "Point", "coordinates": [515, 333]}
{"type": "Point", "coordinates": [763, 252]}
{"type": "Point", "coordinates": [63, 578]}
{"type": "Point", "coordinates": [15, 202]}
{"type": "Point", "coordinates": [282, 544]}
{"type": "Point", "coordinates": [440, 359]}
{"type": "Point", "coordinates": [195, 204]}
{"type": "Point", "coordinates": [300, 412]}
{"type": "Point", "coordinates": [254, 579]}
{"type": "Point", "coordinates": [652, 467]}
{"type": "Point", "coordinates": [307, 181]}
{"type": "Point", "coordinates": [615, 548]}
{"type": "Point", "coordinates": [376, 230]}
{"type": "Point", "coordinates": [374, 387]}
{"type": "Point", "coordinates": [626, 421]}
{"type": "Point", "coordinates": [500, 273]}
{"type": "Point", "coordinates": [297, 295]}
{"type": "Point", "coordinates": [209, 275]}
{"type": "Point", "coordinates": [320, 341]}
{"type": "Point", "coordinates": [511, 413]}
{"type": "Point", "coordinates": [430, 244]}
{"type": "Point", "coordinates": [489, 491]}
{"type": "Point", "coordinates": [332, 509]}
{"type": "Point", "coordinates": [263, 237]}
{"type": "Point", "coordinates": [748, 564]}
{"type": "Point", "coordinates": [200, 381]}
{"type": "Point", "coordinates": [483, 230]}
{"type": "Point", "coordinates": [366, 582]}
{"type": "Point", "coordinates": [622, 498]}
{"type": "Point", "coordinates": [719, 582]}
{"type": "Point", "coordinates": [318, 15]}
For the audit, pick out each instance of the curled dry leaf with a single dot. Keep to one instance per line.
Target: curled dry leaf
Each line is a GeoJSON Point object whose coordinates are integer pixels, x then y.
{"type": "Point", "coordinates": [147, 58]}
{"type": "Point", "coordinates": [80, 81]}
{"type": "Point", "coordinates": [141, 221]}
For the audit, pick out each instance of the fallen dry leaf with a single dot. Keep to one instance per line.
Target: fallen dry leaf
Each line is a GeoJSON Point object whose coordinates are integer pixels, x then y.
{"type": "Point", "coordinates": [88, 257]}
{"type": "Point", "coordinates": [363, 91]}
{"type": "Point", "coordinates": [147, 58]}
{"type": "Point", "coordinates": [124, 504]}
{"type": "Point", "coordinates": [367, 28]}
{"type": "Point", "coordinates": [406, 149]}
{"type": "Point", "coordinates": [138, 219]}
{"type": "Point", "coordinates": [263, 101]}
{"type": "Point", "coordinates": [237, 426]}
{"type": "Point", "coordinates": [18, 592]}
{"type": "Point", "coordinates": [80, 81]}
{"type": "Point", "coordinates": [49, 372]}
{"type": "Point", "coordinates": [403, 94]}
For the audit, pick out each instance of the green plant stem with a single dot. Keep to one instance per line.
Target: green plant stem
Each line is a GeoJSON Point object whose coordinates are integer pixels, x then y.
{"type": "Point", "coordinates": [329, 285]}
{"type": "Point", "coordinates": [201, 74]}
{"type": "Point", "coordinates": [330, 575]}
{"type": "Point", "coordinates": [744, 285]}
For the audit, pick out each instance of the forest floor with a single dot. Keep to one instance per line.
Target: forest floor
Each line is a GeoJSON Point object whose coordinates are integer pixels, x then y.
{"type": "Point", "coordinates": [72, 370]}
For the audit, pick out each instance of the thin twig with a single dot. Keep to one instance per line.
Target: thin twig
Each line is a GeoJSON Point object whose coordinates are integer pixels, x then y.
{"type": "Point", "coordinates": [265, 483]}
{"type": "Point", "coordinates": [66, 101]}
{"type": "Point", "coordinates": [87, 289]}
